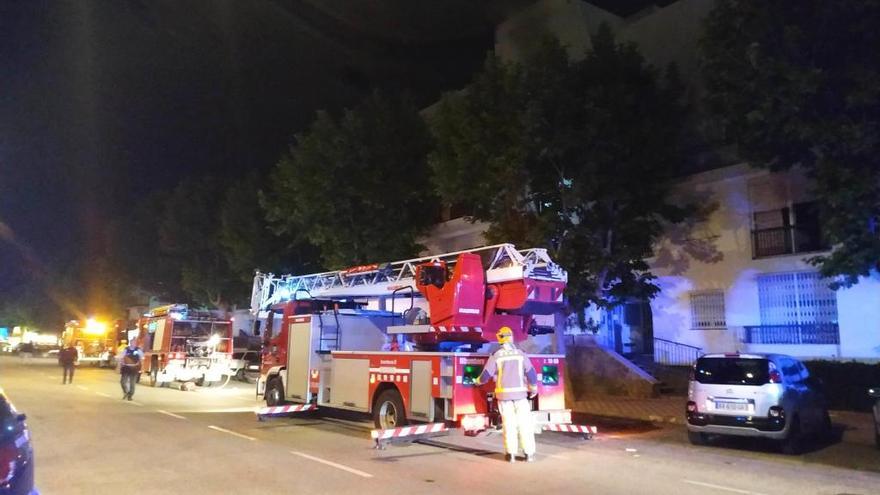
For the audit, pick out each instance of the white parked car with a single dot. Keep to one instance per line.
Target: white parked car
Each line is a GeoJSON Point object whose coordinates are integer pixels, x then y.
{"type": "Point", "coordinates": [755, 395]}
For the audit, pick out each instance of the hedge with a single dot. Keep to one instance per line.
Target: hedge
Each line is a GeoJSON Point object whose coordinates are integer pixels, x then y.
{"type": "Point", "coordinates": [846, 383]}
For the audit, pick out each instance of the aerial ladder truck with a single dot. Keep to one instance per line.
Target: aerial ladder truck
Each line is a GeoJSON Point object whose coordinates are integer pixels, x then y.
{"type": "Point", "coordinates": [405, 341]}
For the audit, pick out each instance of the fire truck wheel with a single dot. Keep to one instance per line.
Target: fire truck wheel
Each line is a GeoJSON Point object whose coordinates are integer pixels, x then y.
{"type": "Point", "coordinates": [274, 393]}
{"type": "Point", "coordinates": [388, 411]}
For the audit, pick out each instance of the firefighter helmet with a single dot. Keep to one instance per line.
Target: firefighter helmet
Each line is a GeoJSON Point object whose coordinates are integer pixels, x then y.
{"type": "Point", "coordinates": [504, 335]}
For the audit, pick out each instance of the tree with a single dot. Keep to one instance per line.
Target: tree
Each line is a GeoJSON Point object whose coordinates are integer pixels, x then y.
{"type": "Point", "coordinates": [575, 156]}
{"type": "Point", "coordinates": [189, 235]}
{"type": "Point", "coordinates": [357, 187]}
{"type": "Point", "coordinates": [798, 84]}
{"type": "Point", "coordinates": [248, 242]}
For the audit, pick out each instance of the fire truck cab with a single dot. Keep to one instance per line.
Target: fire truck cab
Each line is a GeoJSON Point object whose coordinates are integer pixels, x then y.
{"type": "Point", "coordinates": [183, 345]}
{"type": "Point", "coordinates": [405, 341]}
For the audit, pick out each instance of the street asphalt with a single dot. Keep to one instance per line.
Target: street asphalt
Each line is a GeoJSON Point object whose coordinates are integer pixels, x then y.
{"type": "Point", "coordinates": [89, 441]}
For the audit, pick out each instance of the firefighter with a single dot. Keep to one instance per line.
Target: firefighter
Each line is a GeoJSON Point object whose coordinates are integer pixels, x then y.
{"type": "Point", "coordinates": [516, 384]}
{"type": "Point", "coordinates": [129, 368]}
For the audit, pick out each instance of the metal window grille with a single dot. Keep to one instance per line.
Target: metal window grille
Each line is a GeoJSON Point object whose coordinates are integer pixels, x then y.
{"type": "Point", "coordinates": [796, 298]}
{"type": "Point", "coordinates": [707, 309]}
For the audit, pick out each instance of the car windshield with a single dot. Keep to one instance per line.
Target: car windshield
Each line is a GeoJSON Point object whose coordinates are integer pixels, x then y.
{"type": "Point", "coordinates": [731, 371]}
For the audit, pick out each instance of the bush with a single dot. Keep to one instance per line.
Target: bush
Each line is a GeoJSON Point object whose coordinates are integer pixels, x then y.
{"type": "Point", "coordinates": [846, 383]}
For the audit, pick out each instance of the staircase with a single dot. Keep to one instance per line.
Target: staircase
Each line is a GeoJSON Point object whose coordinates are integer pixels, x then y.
{"type": "Point", "coordinates": [672, 380]}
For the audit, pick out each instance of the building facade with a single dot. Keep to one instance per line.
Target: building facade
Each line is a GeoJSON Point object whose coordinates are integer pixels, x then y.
{"type": "Point", "coordinates": [741, 279]}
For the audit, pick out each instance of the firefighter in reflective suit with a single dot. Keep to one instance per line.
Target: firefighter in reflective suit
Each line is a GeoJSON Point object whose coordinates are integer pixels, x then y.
{"type": "Point", "coordinates": [516, 383]}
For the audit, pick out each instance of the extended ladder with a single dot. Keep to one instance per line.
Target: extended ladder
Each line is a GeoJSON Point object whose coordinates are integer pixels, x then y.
{"type": "Point", "coordinates": [503, 262]}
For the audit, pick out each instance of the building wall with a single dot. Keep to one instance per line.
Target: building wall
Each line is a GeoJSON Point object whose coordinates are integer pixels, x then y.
{"type": "Point", "coordinates": [663, 35]}
{"type": "Point", "coordinates": [684, 266]}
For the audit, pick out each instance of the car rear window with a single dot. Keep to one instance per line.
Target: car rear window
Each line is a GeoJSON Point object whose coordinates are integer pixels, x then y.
{"type": "Point", "coordinates": [731, 371]}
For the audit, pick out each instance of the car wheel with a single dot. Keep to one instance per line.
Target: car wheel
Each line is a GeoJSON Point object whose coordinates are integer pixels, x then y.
{"type": "Point", "coordinates": [388, 411]}
{"type": "Point", "coordinates": [697, 438]}
{"type": "Point", "coordinates": [274, 393]}
{"type": "Point", "coordinates": [239, 375]}
{"type": "Point", "coordinates": [791, 445]}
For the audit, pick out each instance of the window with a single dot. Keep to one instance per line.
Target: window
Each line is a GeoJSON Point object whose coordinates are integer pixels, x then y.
{"type": "Point", "coordinates": [787, 231]}
{"type": "Point", "coordinates": [732, 371]}
{"type": "Point", "coordinates": [796, 308]}
{"type": "Point", "coordinates": [707, 310]}
{"type": "Point", "coordinates": [796, 298]}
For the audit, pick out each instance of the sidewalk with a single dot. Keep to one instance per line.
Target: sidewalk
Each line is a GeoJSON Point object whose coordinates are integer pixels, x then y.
{"type": "Point", "coordinates": [856, 427]}
{"type": "Point", "coordinates": [659, 410]}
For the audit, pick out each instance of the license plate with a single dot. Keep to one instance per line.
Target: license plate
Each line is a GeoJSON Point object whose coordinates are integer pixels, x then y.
{"type": "Point", "coordinates": [731, 406]}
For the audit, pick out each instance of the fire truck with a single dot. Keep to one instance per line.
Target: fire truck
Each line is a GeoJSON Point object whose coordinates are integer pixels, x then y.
{"type": "Point", "coordinates": [405, 341]}
{"type": "Point", "coordinates": [93, 340]}
{"type": "Point", "coordinates": [185, 345]}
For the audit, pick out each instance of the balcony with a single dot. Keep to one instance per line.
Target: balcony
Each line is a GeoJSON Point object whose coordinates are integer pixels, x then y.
{"type": "Point", "coordinates": [785, 240]}
{"type": "Point", "coordinates": [805, 333]}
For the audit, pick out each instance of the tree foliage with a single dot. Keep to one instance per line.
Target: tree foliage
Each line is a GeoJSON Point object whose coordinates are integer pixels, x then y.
{"type": "Point", "coordinates": [357, 187]}
{"type": "Point", "coordinates": [247, 240]}
{"type": "Point", "coordinates": [798, 84]}
{"type": "Point", "coordinates": [575, 156]}
{"type": "Point", "coordinates": [189, 234]}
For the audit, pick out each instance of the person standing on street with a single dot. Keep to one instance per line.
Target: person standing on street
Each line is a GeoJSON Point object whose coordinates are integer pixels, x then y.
{"type": "Point", "coordinates": [67, 358]}
{"type": "Point", "coordinates": [130, 368]}
{"type": "Point", "coordinates": [516, 384]}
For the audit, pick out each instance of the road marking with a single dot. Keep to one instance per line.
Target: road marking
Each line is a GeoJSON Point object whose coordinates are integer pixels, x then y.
{"type": "Point", "coordinates": [224, 430]}
{"type": "Point", "coordinates": [721, 487]}
{"type": "Point", "coordinates": [160, 411]}
{"type": "Point", "coordinates": [333, 464]}
{"type": "Point", "coordinates": [102, 394]}
{"type": "Point", "coordinates": [81, 387]}
{"type": "Point", "coordinates": [133, 402]}
{"type": "Point", "coordinates": [221, 410]}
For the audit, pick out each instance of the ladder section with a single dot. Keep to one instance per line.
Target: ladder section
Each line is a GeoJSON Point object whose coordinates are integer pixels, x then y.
{"type": "Point", "coordinates": [503, 262]}
{"type": "Point", "coordinates": [328, 333]}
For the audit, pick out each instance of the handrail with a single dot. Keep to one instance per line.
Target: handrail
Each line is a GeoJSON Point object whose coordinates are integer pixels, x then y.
{"type": "Point", "coordinates": [656, 339]}
{"type": "Point", "coordinates": [673, 353]}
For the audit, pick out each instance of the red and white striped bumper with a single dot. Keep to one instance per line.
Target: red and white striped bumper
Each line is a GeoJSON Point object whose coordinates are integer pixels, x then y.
{"type": "Point", "coordinates": [284, 410]}
{"type": "Point", "coordinates": [408, 433]}
{"type": "Point", "coordinates": [589, 431]}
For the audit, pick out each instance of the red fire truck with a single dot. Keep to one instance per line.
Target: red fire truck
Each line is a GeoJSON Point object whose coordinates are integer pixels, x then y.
{"type": "Point", "coordinates": [185, 345]}
{"type": "Point", "coordinates": [405, 341]}
{"type": "Point", "coordinates": [93, 340]}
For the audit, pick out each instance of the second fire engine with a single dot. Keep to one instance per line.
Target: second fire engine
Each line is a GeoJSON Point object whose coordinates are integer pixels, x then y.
{"type": "Point", "coordinates": [184, 345]}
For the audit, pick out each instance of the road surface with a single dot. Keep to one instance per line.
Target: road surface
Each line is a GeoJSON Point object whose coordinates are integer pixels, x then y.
{"type": "Point", "coordinates": [89, 441]}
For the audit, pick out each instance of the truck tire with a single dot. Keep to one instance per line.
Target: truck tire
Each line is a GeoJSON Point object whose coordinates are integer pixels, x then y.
{"type": "Point", "coordinates": [154, 377]}
{"type": "Point", "coordinates": [388, 412]}
{"type": "Point", "coordinates": [274, 392]}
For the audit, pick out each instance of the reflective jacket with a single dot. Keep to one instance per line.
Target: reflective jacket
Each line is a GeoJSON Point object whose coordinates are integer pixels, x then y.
{"type": "Point", "coordinates": [513, 372]}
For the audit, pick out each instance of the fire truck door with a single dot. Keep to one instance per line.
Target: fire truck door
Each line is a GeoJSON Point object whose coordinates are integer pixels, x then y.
{"type": "Point", "coordinates": [299, 355]}
{"type": "Point", "coordinates": [159, 336]}
{"type": "Point", "coordinates": [420, 390]}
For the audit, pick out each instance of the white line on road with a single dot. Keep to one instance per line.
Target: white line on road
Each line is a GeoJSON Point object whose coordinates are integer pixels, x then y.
{"type": "Point", "coordinates": [224, 430]}
{"type": "Point", "coordinates": [333, 464]}
{"type": "Point", "coordinates": [102, 394]}
{"type": "Point", "coordinates": [160, 411]}
{"type": "Point", "coordinates": [721, 487]}
{"type": "Point", "coordinates": [133, 402]}
{"type": "Point", "coordinates": [81, 387]}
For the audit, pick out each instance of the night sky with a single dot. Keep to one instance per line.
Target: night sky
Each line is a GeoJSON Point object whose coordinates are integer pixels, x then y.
{"type": "Point", "coordinates": [102, 102]}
